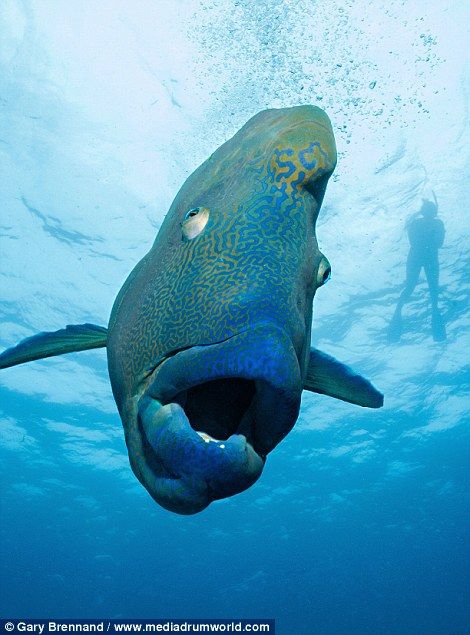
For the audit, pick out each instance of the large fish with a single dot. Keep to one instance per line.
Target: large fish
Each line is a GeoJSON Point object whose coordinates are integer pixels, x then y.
{"type": "Point", "coordinates": [209, 338]}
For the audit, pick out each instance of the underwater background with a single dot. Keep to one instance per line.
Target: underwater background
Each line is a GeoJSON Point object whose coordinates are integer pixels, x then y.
{"type": "Point", "coordinates": [360, 522]}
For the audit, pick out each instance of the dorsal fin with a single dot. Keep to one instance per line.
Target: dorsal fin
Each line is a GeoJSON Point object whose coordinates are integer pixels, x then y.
{"type": "Point", "coordinates": [75, 337]}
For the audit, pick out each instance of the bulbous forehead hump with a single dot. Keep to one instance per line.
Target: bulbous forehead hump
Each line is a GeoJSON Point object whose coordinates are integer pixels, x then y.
{"type": "Point", "coordinates": [294, 143]}
{"type": "Point", "coordinates": [302, 133]}
{"type": "Point", "coordinates": [291, 147]}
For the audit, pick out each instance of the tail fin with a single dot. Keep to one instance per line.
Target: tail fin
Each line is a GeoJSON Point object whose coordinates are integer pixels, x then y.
{"type": "Point", "coordinates": [75, 337]}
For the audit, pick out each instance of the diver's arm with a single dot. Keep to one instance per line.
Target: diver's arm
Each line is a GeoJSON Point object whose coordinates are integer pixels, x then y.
{"type": "Point", "coordinates": [440, 233]}
{"type": "Point", "coordinates": [440, 230]}
{"type": "Point", "coordinates": [413, 229]}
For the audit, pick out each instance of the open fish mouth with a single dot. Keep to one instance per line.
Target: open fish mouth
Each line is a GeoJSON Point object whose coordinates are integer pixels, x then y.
{"type": "Point", "coordinates": [212, 413]}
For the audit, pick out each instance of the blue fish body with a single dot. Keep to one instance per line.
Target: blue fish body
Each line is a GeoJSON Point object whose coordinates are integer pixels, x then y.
{"type": "Point", "coordinates": [209, 338]}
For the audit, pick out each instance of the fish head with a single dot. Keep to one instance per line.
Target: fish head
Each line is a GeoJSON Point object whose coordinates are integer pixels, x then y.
{"type": "Point", "coordinates": [241, 264]}
{"type": "Point", "coordinates": [241, 231]}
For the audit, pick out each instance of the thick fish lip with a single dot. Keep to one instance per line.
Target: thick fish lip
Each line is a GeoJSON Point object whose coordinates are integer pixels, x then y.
{"type": "Point", "coordinates": [251, 382]}
{"type": "Point", "coordinates": [261, 360]}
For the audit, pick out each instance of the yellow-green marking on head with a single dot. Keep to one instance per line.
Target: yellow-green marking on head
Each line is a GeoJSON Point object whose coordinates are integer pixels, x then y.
{"type": "Point", "coordinates": [209, 338]}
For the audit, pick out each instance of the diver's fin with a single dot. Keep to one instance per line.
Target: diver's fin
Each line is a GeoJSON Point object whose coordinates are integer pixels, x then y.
{"type": "Point", "coordinates": [395, 328]}
{"type": "Point", "coordinates": [438, 327]}
{"type": "Point", "coordinates": [75, 337]}
{"type": "Point", "coordinates": [327, 376]}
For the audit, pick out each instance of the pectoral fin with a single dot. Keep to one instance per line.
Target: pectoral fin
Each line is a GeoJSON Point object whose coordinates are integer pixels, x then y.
{"type": "Point", "coordinates": [327, 376]}
{"type": "Point", "coordinates": [75, 337]}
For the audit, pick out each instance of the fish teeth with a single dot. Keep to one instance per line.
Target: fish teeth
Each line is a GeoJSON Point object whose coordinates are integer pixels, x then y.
{"type": "Point", "coordinates": [207, 438]}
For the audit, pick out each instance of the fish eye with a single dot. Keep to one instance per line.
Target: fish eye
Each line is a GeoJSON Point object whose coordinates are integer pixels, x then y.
{"type": "Point", "coordinates": [324, 272]}
{"type": "Point", "coordinates": [194, 222]}
{"type": "Point", "coordinates": [192, 212]}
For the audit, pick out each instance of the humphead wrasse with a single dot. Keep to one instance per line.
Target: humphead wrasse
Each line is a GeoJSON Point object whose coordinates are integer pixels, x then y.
{"type": "Point", "coordinates": [209, 338]}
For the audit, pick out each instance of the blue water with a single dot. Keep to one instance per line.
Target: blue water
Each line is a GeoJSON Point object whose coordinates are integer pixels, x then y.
{"type": "Point", "coordinates": [360, 522]}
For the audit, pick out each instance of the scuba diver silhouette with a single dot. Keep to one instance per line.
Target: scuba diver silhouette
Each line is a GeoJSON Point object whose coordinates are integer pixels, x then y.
{"type": "Point", "coordinates": [426, 235]}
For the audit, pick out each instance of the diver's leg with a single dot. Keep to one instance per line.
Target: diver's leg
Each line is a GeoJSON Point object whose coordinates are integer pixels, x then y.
{"type": "Point", "coordinates": [431, 269]}
{"type": "Point", "coordinates": [413, 268]}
